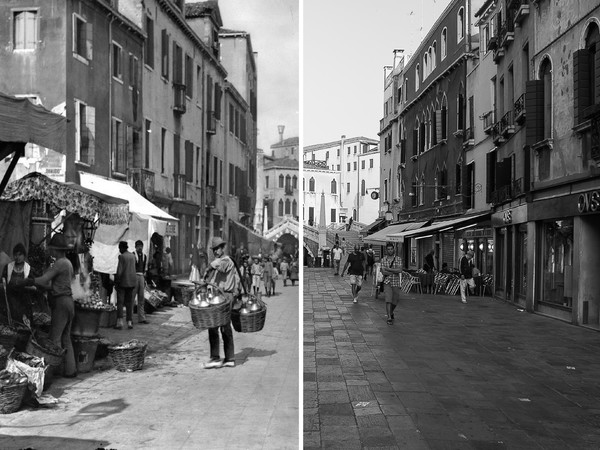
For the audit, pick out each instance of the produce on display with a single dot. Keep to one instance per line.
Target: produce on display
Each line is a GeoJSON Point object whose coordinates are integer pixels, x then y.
{"type": "Point", "coordinates": [10, 378]}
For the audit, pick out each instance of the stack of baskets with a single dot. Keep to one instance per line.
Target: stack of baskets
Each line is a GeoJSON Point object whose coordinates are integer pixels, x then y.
{"type": "Point", "coordinates": [8, 336]}
{"type": "Point", "coordinates": [53, 355]}
{"type": "Point", "coordinates": [128, 356]}
{"type": "Point", "coordinates": [250, 321]}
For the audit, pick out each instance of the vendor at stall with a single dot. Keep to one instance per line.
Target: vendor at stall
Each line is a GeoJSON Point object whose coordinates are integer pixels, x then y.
{"type": "Point", "coordinates": [18, 295]}
{"type": "Point", "coordinates": [57, 280]}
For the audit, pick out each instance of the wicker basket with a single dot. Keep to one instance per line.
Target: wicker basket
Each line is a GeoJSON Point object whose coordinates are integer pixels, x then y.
{"type": "Point", "coordinates": [128, 359]}
{"type": "Point", "coordinates": [11, 397]}
{"type": "Point", "coordinates": [187, 293]}
{"type": "Point", "coordinates": [86, 322]}
{"type": "Point", "coordinates": [249, 323]}
{"type": "Point", "coordinates": [51, 358]}
{"type": "Point", "coordinates": [3, 357]}
{"type": "Point", "coordinates": [8, 337]}
{"type": "Point", "coordinates": [212, 316]}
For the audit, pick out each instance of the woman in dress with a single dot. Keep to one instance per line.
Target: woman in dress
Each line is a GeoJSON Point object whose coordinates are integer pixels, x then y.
{"type": "Point", "coordinates": [14, 275]}
{"type": "Point", "coordinates": [294, 272]}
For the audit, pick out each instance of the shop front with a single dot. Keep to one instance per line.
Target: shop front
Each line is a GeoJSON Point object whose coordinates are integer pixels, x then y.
{"type": "Point", "coordinates": [567, 254]}
{"type": "Point", "coordinates": [509, 254]}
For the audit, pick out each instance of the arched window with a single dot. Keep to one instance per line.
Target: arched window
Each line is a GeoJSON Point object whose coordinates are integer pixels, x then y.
{"type": "Point", "coordinates": [436, 183]}
{"type": "Point", "coordinates": [304, 184]}
{"type": "Point", "coordinates": [460, 25]}
{"type": "Point", "coordinates": [444, 118]}
{"type": "Point", "coordinates": [281, 181]}
{"type": "Point", "coordinates": [311, 185]}
{"type": "Point", "coordinates": [333, 186]}
{"type": "Point", "coordinates": [425, 66]}
{"type": "Point", "coordinates": [592, 39]}
{"type": "Point", "coordinates": [287, 206]}
{"type": "Point", "coordinates": [280, 207]}
{"type": "Point", "coordinates": [294, 208]}
{"type": "Point", "coordinates": [417, 77]}
{"type": "Point", "coordinates": [422, 190]}
{"type": "Point", "coordinates": [295, 182]}
{"type": "Point", "coordinates": [363, 188]}
{"type": "Point", "coordinates": [415, 192]}
{"type": "Point", "coordinates": [444, 40]}
{"type": "Point", "coordinates": [416, 138]}
{"type": "Point", "coordinates": [433, 56]}
{"type": "Point", "coordinates": [433, 132]}
{"type": "Point", "coordinates": [427, 122]}
{"type": "Point", "coordinates": [326, 155]}
{"type": "Point", "coordinates": [546, 76]}
{"type": "Point", "coordinates": [288, 182]}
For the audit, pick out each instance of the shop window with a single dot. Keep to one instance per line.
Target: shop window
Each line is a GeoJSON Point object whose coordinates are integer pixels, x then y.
{"type": "Point", "coordinates": [557, 263]}
{"type": "Point", "coordinates": [521, 263]}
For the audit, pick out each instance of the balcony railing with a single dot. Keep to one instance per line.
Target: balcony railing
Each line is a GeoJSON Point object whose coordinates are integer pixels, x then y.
{"type": "Point", "coordinates": [501, 195]}
{"type": "Point", "coordinates": [179, 98]}
{"type": "Point", "coordinates": [520, 110]}
{"type": "Point", "coordinates": [179, 185]}
{"type": "Point", "coordinates": [211, 122]}
{"type": "Point", "coordinates": [210, 194]}
{"type": "Point", "coordinates": [488, 121]}
{"type": "Point", "coordinates": [520, 10]}
{"type": "Point", "coordinates": [507, 125]}
{"type": "Point", "coordinates": [142, 181]}
{"type": "Point", "coordinates": [517, 187]}
{"type": "Point", "coordinates": [289, 190]}
{"type": "Point", "coordinates": [492, 43]}
{"type": "Point", "coordinates": [496, 134]}
{"type": "Point", "coordinates": [507, 32]}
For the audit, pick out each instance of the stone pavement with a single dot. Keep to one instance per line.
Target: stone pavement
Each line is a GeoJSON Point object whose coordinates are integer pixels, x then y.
{"type": "Point", "coordinates": [484, 375]}
{"type": "Point", "coordinates": [173, 403]}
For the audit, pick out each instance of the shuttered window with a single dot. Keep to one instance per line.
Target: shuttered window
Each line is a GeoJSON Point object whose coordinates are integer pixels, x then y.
{"type": "Point", "coordinates": [25, 30]}
{"type": "Point", "coordinates": [534, 105]}
{"type": "Point", "coordinates": [149, 43]}
{"type": "Point", "coordinates": [444, 121]}
{"type": "Point", "coordinates": [490, 175]}
{"type": "Point", "coordinates": [82, 38]}
{"type": "Point", "coordinates": [189, 161]}
{"type": "Point", "coordinates": [189, 76]}
{"type": "Point", "coordinates": [165, 54]}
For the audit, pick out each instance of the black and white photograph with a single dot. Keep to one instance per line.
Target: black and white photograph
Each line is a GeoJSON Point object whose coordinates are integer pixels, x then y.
{"type": "Point", "coordinates": [149, 224]}
{"type": "Point", "coordinates": [450, 213]}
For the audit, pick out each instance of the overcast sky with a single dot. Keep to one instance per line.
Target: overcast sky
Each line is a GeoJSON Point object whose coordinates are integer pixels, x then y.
{"type": "Point", "coordinates": [274, 29]}
{"type": "Point", "coordinates": [346, 45]}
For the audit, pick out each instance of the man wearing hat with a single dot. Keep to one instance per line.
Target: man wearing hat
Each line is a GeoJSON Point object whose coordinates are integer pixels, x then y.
{"type": "Point", "coordinates": [57, 279]}
{"type": "Point", "coordinates": [140, 285]}
{"type": "Point", "coordinates": [222, 272]}
{"type": "Point", "coordinates": [125, 282]}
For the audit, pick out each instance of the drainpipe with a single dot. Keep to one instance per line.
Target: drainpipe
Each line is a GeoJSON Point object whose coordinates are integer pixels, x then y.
{"type": "Point", "coordinates": [342, 170]}
{"type": "Point", "coordinates": [110, 86]}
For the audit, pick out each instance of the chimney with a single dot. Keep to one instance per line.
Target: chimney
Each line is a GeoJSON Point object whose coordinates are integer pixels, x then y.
{"type": "Point", "coordinates": [280, 128]}
{"type": "Point", "coordinates": [398, 56]}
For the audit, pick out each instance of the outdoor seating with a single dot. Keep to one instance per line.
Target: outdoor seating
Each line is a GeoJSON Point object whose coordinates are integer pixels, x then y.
{"type": "Point", "coordinates": [408, 281]}
{"type": "Point", "coordinates": [487, 281]}
{"type": "Point", "coordinates": [439, 282]}
{"type": "Point", "coordinates": [453, 285]}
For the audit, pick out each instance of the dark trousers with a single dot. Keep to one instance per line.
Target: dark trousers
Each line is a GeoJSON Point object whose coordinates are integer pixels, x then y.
{"type": "Point", "coordinates": [227, 334]}
{"type": "Point", "coordinates": [125, 298]}
{"type": "Point", "coordinates": [63, 311]}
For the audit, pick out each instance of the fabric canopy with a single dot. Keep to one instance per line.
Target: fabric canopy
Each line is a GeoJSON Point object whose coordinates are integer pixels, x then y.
{"type": "Point", "coordinates": [373, 226]}
{"type": "Point", "coordinates": [68, 196]}
{"type": "Point", "coordinates": [22, 121]}
{"type": "Point", "coordinates": [445, 224]}
{"type": "Point", "coordinates": [385, 235]}
{"type": "Point", "coordinates": [241, 235]}
{"type": "Point", "coordinates": [137, 203]}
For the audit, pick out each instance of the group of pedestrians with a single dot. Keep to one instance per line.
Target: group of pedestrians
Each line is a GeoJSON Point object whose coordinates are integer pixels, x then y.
{"type": "Point", "coordinates": [262, 272]}
{"type": "Point", "coordinates": [359, 266]}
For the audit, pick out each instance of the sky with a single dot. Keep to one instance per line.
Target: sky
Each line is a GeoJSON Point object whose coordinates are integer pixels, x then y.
{"type": "Point", "coordinates": [346, 44]}
{"type": "Point", "coordinates": [274, 31]}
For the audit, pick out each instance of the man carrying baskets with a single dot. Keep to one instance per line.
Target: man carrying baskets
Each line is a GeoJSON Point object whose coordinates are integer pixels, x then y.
{"type": "Point", "coordinates": [222, 273]}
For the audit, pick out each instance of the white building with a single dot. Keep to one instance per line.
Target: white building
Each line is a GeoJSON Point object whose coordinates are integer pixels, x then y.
{"type": "Point", "coordinates": [346, 172]}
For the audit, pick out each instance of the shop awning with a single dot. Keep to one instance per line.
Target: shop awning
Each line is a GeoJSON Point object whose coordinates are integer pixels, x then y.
{"type": "Point", "coordinates": [440, 226]}
{"type": "Point", "coordinates": [373, 226]}
{"type": "Point", "coordinates": [137, 203]}
{"type": "Point", "coordinates": [386, 235]}
{"type": "Point", "coordinates": [71, 197]}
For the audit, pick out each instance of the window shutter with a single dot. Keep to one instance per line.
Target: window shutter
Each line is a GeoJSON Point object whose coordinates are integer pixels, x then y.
{"type": "Point", "coordinates": [19, 30]}
{"type": "Point", "coordinates": [581, 89]}
{"type": "Point", "coordinates": [165, 53]}
{"type": "Point", "coordinates": [30, 30]}
{"type": "Point", "coordinates": [415, 142]}
{"type": "Point", "coordinates": [189, 161]}
{"type": "Point", "coordinates": [534, 105]}
{"type": "Point", "coordinates": [403, 151]}
{"type": "Point", "coordinates": [422, 138]}
{"type": "Point", "coordinates": [489, 179]}
{"type": "Point", "coordinates": [461, 112]}
{"type": "Point", "coordinates": [122, 158]}
{"type": "Point", "coordinates": [434, 128]}
{"type": "Point", "coordinates": [438, 125]}
{"type": "Point", "coordinates": [90, 120]}
{"type": "Point", "coordinates": [89, 41]}
{"type": "Point", "coordinates": [444, 121]}
{"type": "Point", "coordinates": [129, 148]}
{"type": "Point", "coordinates": [466, 185]}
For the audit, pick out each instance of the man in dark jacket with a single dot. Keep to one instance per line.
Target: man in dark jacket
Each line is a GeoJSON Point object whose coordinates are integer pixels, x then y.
{"type": "Point", "coordinates": [357, 267]}
{"type": "Point", "coordinates": [466, 275]}
{"type": "Point", "coordinates": [125, 282]}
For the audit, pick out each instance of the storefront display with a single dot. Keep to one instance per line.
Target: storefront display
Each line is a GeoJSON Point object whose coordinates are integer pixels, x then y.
{"type": "Point", "coordinates": [557, 258]}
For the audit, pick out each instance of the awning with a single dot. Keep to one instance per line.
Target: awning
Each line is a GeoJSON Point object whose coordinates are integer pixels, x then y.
{"type": "Point", "coordinates": [71, 197]}
{"type": "Point", "coordinates": [440, 226]}
{"type": "Point", "coordinates": [374, 226]}
{"type": "Point", "coordinates": [137, 203]}
{"type": "Point", "coordinates": [385, 235]}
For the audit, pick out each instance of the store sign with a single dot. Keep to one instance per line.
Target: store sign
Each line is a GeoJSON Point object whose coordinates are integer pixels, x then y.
{"type": "Point", "coordinates": [171, 229]}
{"type": "Point", "coordinates": [588, 202]}
{"type": "Point", "coordinates": [507, 217]}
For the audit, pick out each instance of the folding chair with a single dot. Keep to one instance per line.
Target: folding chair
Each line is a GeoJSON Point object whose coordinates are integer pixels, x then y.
{"type": "Point", "coordinates": [453, 285]}
{"type": "Point", "coordinates": [406, 282]}
{"type": "Point", "coordinates": [414, 281]}
{"type": "Point", "coordinates": [439, 282]}
{"type": "Point", "coordinates": [487, 281]}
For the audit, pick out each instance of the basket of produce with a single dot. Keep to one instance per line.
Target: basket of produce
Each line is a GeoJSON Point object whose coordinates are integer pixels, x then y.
{"type": "Point", "coordinates": [210, 307]}
{"type": "Point", "coordinates": [45, 348]}
{"type": "Point", "coordinates": [33, 367]}
{"type": "Point", "coordinates": [128, 356]}
{"type": "Point", "coordinates": [12, 390]}
{"type": "Point", "coordinates": [3, 357]}
{"type": "Point", "coordinates": [41, 319]}
{"type": "Point", "coordinates": [153, 299]}
{"type": "Point", "coordinates": [250, 316]}
{"type": "Point", "coordinates": [88, 312]}
{"type": "Point", "coordinates": [8, 336]}
{"type": "Point", "coordinates": [85, 352]}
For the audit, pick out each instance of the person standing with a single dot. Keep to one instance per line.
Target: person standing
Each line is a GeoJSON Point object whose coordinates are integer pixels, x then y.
{"type": "Point", "coordinates": [336, 253]}
{"type": "Point", "coordinates": [430, 268]}
{"type": "Point", "coordinates": [294, 271]}
{"type": "Point", "coordinates": [167, 267]}
{"type": "Point", "coordinates": [267, 275]}
{"type": "Point", "coordinates": [256, 271]}
{"type": "Point", "coordinates": [284, 268]}
{"type": "Point", "coordinates": [370, 253]}
{"type": "Point", "coordinates": [222, 272]}
{"type": "Point", "coordinates": [466, 275]}
{"type": "Point", "coordinates": [57, 279]}
{"type": "Point", "coordinates": [140, 286]}
{"type": "Point", "coordinates": [356, 265]}
{"type": "Point", "coordinates": [14, 274]}
{"type": "Point", "coordinates": [391, 268]}
{"type": "Point", "coordinates": [125, 282]}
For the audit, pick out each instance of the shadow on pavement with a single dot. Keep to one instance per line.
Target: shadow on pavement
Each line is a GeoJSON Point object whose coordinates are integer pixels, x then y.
{"type": "Point", "coordinates": [100, 410]}
{"type": "Point", "coordinates": [249, 353]}
{"type": "Point", "coordinates": [49, 442]}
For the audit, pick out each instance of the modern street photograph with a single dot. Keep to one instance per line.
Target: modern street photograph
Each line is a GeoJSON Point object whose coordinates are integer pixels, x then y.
{"type": "Point", "coordinates": [450, 224]}
{"type": "Point", "coordinates": [149, 224]}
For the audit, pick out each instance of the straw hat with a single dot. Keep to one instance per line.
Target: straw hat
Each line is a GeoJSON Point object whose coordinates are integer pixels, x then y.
{"type": "Point", "coordinates": [217, 242]}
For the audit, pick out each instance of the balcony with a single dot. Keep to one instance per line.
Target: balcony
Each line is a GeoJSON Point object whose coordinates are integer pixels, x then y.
{"type": "Point", "coordinates": [507, 32]}
{"type": "Point", "coordinates": [469, 137]}
{"type": "Point", "coordinates": [493, 43]}
{"type": "Point", "coordinates": [497, 135]}
{"type": "Point", "coordinates": [501, 195]}
{"type": "Point", "coordinates": [289, 190]}
{"type": "Point", "coordinates": [210, 194]}
{"type": "Point", "coordinates": [521, 10]}
{"type": "Point", "coordinates": [520, 110]}
{"type": "Point", "coordinates": [507, 126]}
{"type": "Point", "coordinates": [488, 122]}
{"type": "Point", "coordinates": [211, 122]}
{"type": "Point", "coordinates": [179, 98]}
{"type": "Point", "coordinates": [498, 54]}
{"type": "Point", "coordinates": [179, 186]}
{"type": "Point", "coordinates": [142, 181]}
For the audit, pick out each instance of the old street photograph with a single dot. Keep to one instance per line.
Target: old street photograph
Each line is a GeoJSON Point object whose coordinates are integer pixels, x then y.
{"type": "Point", "coordinates": [450, 224]}
{"type": "Point", "coordinates": [149, 224]}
